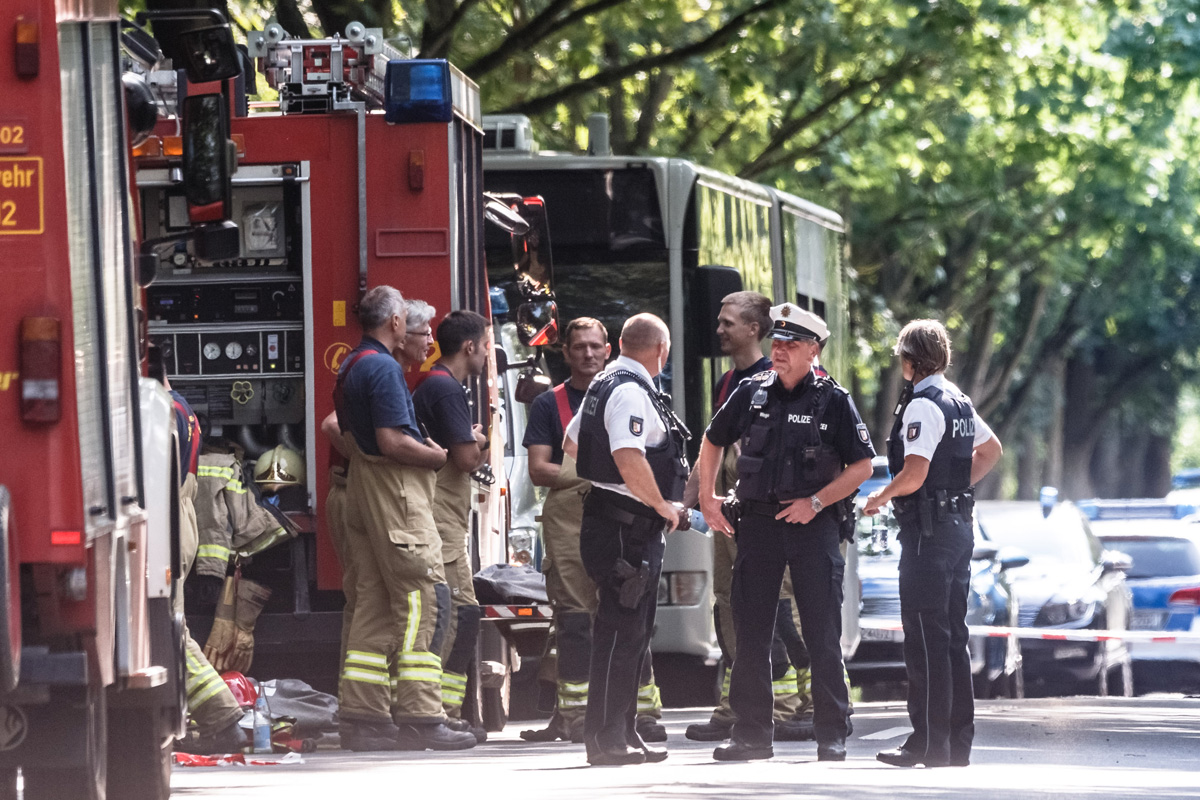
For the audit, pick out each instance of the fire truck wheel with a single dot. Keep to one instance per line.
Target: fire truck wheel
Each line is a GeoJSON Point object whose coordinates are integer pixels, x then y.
{"type": "Point", "coordinates": [139, 758]}
{"type": "Point", "coordinates": [86, 781]}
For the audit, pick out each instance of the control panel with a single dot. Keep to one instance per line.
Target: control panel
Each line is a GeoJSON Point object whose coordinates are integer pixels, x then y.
{"type": "Point", "coordinates": [186, 303]}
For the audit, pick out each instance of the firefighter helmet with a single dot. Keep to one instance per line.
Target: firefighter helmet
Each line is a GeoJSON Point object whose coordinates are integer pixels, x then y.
{"type": "Point", "coordinates": [242, 688]}
{"type": "Point", "coordinates": [278, 468]}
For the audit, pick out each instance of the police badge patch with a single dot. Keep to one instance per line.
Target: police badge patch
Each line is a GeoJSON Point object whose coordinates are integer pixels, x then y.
{"type": "Point", "coordinates": [914, 430]}
{"type": "Point", "coordinates": [636, 425]}
{"type": "Point", "coordinates": [863, 435]}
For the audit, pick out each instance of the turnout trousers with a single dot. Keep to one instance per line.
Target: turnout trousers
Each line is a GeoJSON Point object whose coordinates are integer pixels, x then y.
{"type": "Point", "coordinates": [451, 514]}
{"type": "Point", "coordinates": [620, 634]}
{"type": "Point", "coordinates": [765, 547]}
{"type": "Point", "coordinates": [335, 511]}
{"type": "Point", "coordinates": [392, 669]}
{"type": "Point", "coordinates": [210, 703]}
{"type": "Point", "coordinates": [935, 575]}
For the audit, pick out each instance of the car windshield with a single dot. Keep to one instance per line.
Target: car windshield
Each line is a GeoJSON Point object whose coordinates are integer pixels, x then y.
{"type": "Point", "coordinates": [1157, 558]}
{"type": "Point", "coordinates": [1057, 540]}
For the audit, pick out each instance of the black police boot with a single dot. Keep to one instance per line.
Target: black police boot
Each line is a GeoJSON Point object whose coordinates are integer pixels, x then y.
{"type": "Point", "coordinates": [363, 736]}
{"type": "Point", "coordinates": [435, 736]}
{"type": "Point", "coordinates": [799, 729]}
{"type": "Point", "coordinates": [737, 751]}
{"type": "Point", "coordinates": [615, 756]}
{"type": "Point", "coordinates": [456, 724]}
{"type": "Point", "coordinates": [555, 729]}
{"type": "Point", "coordinates": [903, 757]}
{"type": "Point", "coordinates": [833, 750]}
{"type": "Point", "coordinates": [708, 731]}
{"type": "Point", "coordinates": [650, 730]}
{"type": "Point", "coordinates": [654, 755]}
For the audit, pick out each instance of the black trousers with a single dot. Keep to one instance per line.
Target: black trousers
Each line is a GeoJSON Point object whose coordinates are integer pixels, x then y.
{"type": "Point", "coordinates": [935, 576]}
{"type": "Point", "coordinates": [765, 547]}
{"type": "Point", "coordinates": [620, 635]}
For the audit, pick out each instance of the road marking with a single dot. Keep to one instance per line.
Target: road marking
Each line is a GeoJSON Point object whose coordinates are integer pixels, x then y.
{"type": "Point", "coordinates": [889, 733]}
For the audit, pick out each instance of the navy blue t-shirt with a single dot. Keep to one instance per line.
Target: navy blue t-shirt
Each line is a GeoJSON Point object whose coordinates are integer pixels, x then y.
{"type": "Point", "coordinates": [545, 424]}
{"type": "Point", "coordinates": [374, 395]}
{"type": "Point", "coordinates": [762, 365]}
{"type": "Point", "coordinates": [444, 409]}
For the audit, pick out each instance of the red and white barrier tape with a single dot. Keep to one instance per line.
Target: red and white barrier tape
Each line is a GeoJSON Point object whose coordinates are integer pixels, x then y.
{"type": "Point", "coordinates": [1063, 635]}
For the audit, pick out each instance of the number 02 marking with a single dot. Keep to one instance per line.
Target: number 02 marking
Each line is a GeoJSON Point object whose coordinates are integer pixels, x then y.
{"type": "Point", "coordinates": [12, 134]}
{"type": "Point", "coordinates": [8, 210]}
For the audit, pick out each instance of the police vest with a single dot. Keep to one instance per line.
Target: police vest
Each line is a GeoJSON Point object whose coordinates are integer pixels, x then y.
{"type": "Point", "coordinates": [783, 456]}
{"type": "Point", "coordinates": [950, 467]}
{"type": "Point", "coordinates": [668, 461]}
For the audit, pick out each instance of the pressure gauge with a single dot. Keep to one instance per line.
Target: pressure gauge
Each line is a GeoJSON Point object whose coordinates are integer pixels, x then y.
{"type": "Point", "coordinates": [233, 351]}
{"type": "Point", "coordinates": [212, 351]}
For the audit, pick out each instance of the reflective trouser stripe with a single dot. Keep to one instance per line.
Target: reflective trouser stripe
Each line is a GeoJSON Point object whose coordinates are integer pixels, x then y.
{"type": "Point", "coordinates": [202, 682]}
{"type": "Point", "coordinates": [572, 695]}
{"type": "Point", "coordinates": [454, 689]}
{"type": "Point", "coordinates": [785, 686]}
{"type": "Point", "coordinates": [804, 681]}
{"type": "Point", "coordinates": [366, 667]}
{"type": "Point", "coordinates": [649, 699]}
{"type": "Point", "coordinates": [725, 684]}
{"type": "Point", "coordinates": [414, 623]}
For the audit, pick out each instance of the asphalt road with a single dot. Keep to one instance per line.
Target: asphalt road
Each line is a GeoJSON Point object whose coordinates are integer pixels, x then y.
{"type": "Point", "coordinates": [1077, 747]}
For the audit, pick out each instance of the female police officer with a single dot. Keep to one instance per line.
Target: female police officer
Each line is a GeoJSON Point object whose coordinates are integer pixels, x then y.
{"type": "Point", "coordinates": [938, 449]}
{"type": "Point", "coordinates": [804, 449]}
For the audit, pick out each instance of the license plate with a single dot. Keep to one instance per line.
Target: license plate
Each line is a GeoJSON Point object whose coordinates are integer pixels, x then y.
{"type": "Point", "coordinates": [881, 635]}
{"type": "Point", "coordinates": [1144, 620]}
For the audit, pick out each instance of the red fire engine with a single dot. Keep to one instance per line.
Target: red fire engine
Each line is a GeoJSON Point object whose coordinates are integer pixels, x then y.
{"type": "Point", "coordinates": [367, 171]}
{"type": "Point", "coordinates": [91, 684]}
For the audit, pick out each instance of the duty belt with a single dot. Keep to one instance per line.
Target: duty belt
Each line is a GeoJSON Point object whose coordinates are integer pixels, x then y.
{"type": "Point", "coordinates": [620, 508]}
{"type": "Point", "coordinates": [940, 502]}
{"type": "Point", "coordinates": [764, 507]}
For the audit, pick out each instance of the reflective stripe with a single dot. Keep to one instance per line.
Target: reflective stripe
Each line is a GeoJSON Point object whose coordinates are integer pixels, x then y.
{"type": "Point", "coordinates": [414, 621]}
{"type": "Point", "coordinates": [454, 679]}
{"type": "Point", "coordinates": [564, 686]}
{"type": "Point", "coordinates": [419, 675]}
{"type": "Point", "coordinates": [212, 691]}
{"type": "Point", "coordinates": [804, 681]}
{"type": "Point", "coordinates": [787, 684]}
{"type": "Point", "coordinates": [362, 657]}
{"type": "Point", "coordinates": [235, 486]}
{"type": "Point", "coordinates": [204, 471]}
{"type": "Point", "coordinates": [362, 676]}
{"type": "Point", "coordinates": [649, 698]}
{"type": "Point", "coordinates": [213, 551]}
{"type": "Point", "coordinates": [416, 657]}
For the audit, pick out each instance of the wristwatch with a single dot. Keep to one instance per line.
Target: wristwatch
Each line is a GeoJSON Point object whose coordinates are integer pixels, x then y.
{"type": "Point", "coordinates": [817, 505]}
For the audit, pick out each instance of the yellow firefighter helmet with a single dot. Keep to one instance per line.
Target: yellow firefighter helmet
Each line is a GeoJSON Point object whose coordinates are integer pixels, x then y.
{"type": "Point", "coordinates": [278, 468]}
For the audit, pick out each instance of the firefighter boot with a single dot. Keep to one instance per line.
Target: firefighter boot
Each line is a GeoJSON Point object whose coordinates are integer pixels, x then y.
{"type": "Point", "coordinates": [363, 736]}
{"type": "Point", "coordinates": [229, 739]}
{"type": "Point", "coordinates": [555, 729]}
{"type": "Point", "coordinates": [459, 724]}
{"type": "Point", "coordinates": [224, 631]}
{"type": "Point", "coordinates": [251, 597]}
{"type": "Point", "coordinates": [433, 736]}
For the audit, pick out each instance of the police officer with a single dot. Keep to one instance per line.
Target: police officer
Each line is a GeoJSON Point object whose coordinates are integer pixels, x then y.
{"type": "Point", "coordinates": [803, 449]}
{"type": "Point", "coordinates": [742, 324]}
{"type": "Point", "coordinates": [938, 450]}
{"type": "Point", "coordinates": [444, 408]}
{"type": "Point", "coordinates": [628, 443]}
{"type": "Point", "coordinates": [392, 538]}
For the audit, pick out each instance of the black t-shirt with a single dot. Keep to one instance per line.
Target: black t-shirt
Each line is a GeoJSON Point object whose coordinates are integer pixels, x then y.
{"type": "Point", "coordinates": [545, 425]}
{"type": "Point", "coordinates": [738, 375]}
{"type": "Point", "coordinates": [841, 425]}
{"type": "Point", "coordinates": [444, 409]}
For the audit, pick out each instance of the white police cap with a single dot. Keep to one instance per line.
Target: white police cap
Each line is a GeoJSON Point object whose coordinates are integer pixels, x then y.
{"type": "Point", "coordinates": [791, 322]}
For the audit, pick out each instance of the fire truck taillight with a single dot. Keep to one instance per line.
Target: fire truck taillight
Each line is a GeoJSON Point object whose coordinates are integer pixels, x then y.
{"type": "Point", "coordinates": [27, 52]}
{"type": "Point", "coordinates": [417, 90]}
{"type": "Point", "coordinates": [41, 369]}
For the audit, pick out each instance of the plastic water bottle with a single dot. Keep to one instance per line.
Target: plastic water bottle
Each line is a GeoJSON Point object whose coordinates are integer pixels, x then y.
{"type": "Point", "coordinates": [262, 723]}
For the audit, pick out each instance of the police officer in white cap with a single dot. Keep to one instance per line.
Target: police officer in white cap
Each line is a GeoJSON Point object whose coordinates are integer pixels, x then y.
{"type": "Point", "coordinates": [804, 448]}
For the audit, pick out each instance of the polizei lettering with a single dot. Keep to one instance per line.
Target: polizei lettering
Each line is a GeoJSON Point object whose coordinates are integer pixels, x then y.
{"type": "Point", "coordinates": [800, 419]}
{"type": "Point", "coordinates": [963, 427]}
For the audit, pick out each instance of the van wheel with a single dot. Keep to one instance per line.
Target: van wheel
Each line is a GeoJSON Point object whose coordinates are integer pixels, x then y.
{"type": "Point", "coordinates": [139, 755]}
{"type": "Point", "coordinates": [88, 780]}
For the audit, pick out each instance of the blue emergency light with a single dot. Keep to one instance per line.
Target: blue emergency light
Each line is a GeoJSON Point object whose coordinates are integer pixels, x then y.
{"type": "Point", "coordinates": [418, 90]}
